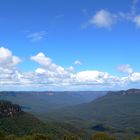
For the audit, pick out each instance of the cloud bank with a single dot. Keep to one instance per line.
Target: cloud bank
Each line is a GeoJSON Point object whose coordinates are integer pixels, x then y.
{"type": "Point", "coordinates": [51, 76]}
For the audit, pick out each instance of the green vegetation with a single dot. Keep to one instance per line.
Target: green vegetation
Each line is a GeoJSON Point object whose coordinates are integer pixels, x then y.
{"type": "Point", "coordinates": [115, 116]}
{"type": "Point", "coordinates": [117, 113]}
{"type": "Point", "coordinates": [26, 124]}
{"type": "Point", "coordinates": [39, 103]}
{"type": "Point", "coordinates": [102, 136]}
{"type": "Point", "coordinates": [22, 123]}
{"type": "Point", "coordinates": [39, 136]}
{"type": "Point", "coordinates": [138, 138]}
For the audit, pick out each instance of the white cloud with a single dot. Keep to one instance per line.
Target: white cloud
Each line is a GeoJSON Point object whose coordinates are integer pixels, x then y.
{"type": "Point", "coordinates": [7, 59]}
{"type": "Point", "coordinates": [103, 19]}
{"type": "Point", "coordinates": [37, 36]}
{"type": "Point", "coordinates": [135, 17]}
{"type": "Point", "coordinates": [70, 69]}
{"type": "Point", "coordinates": [42, 59]}
{"type": "Point", "coordinates": [40, 71]}
{"type": "Point", "coordinates": [51, 72]}
{"type": "Point", "coordinates": [133, 7]}
{"type": "Point", "coordinates": [58, 76]}
{"type": "Point", "coordinates": [91, 76]}
{"type": "Point", "coordinates": [52, 76]}
{"type": "Point", "coordinates": [132, 15]}
{"type": "Point", "coordinates": [77, 62]}
{"type": "Point", "coordinates": [8, 71]}
{"type": "Point", "coordinates": [135, 77]}
{"type": "Point", "coordinates": [137, 20]}
{"type": "Point", "coordinates": [125, 68]}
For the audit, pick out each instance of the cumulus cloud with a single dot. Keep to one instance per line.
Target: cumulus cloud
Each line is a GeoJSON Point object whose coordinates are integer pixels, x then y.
{"type": "Point", "coordinates": [49, 72]}
{"type": "Point", "coordinates": [137, 20]}
{"type": "Point", "coordinates": [133, 7]}
{"type": "Point", "coordinates": [8, 62]}
{"type": "Point", "coordinates": [103, 19]}
{"type": "Point", "coordinates": [91, 76]}
{"type": "Point", "coordinates": [36, 36]}
{"type": "Point", "coordinates": [53, 74]}
{"type": "Point", "coordinates": [135, 17]}
{"type": "Point", "coordinates": [7, 59]}
{"type": "Point", "coordinates": [71, 69]}
{"type": "Point", "coordinates": [40, 71]}
{"type": "Point", "coordinates": [77, 62]}
{"type": "Point", "coordinates": [135, 77]}
{"type": "Point", "coordinates": [42, 59]}
{"type": "Point", "coordinates": [125, 68]}
{"type": "Point", "coordinates": [49, 75]}
{"type": "Point", "coordinates": [48, 64]}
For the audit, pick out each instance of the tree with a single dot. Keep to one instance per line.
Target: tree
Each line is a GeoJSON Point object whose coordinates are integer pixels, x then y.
{"type": "Point", "coordinates": [2, 137]}
{"type": "Point", "coordinates": [101, 136]}
{"type": "Point", "coordinates": [38, 136]}
{"type": "Point", "coordinates": [70, 137]}
{"type": "Point", "coordinates": [11, 137]}
{"type": "Point", "coordinates": [138, 138]}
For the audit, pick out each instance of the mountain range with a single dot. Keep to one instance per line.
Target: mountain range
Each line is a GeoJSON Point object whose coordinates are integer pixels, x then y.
{"type": "Point", "coordinates": [117, 113]}
{"type": "Point", "coordinates": [81, 113]}
{"type": "Point", "coordinates": [42, 102]}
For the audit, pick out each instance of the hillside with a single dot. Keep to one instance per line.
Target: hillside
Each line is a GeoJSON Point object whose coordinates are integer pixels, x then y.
{"type": "Point", "coordinates": [42, 102]}
{"type": "Point", "coordinates": [22, 123]}
{"type": "Point", "coordinates": [116, 112]}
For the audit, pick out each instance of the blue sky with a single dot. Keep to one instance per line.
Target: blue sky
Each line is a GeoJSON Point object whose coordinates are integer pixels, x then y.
{"type": "Point", "coordinates": [69, 45]}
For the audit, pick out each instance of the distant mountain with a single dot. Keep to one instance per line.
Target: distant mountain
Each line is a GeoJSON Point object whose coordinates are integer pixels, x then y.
{"type": "Point", "coordinates": [117, 112]}
{"type": "Point", "coordinates": [43, 102]}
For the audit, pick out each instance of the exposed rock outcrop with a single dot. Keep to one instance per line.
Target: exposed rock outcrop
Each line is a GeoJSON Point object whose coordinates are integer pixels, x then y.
{"type": "Point", "coordinates": [9, 109]}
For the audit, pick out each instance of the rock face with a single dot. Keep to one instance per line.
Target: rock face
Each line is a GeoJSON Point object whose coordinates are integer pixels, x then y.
{"type": "Point", "coordinates": [9, 109]}
{"type": "Point", "coordinates": [126, 92]}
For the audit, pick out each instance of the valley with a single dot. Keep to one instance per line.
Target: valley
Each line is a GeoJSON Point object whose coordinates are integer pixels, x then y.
{"type": "Point", "coordinates": [114, 112]}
